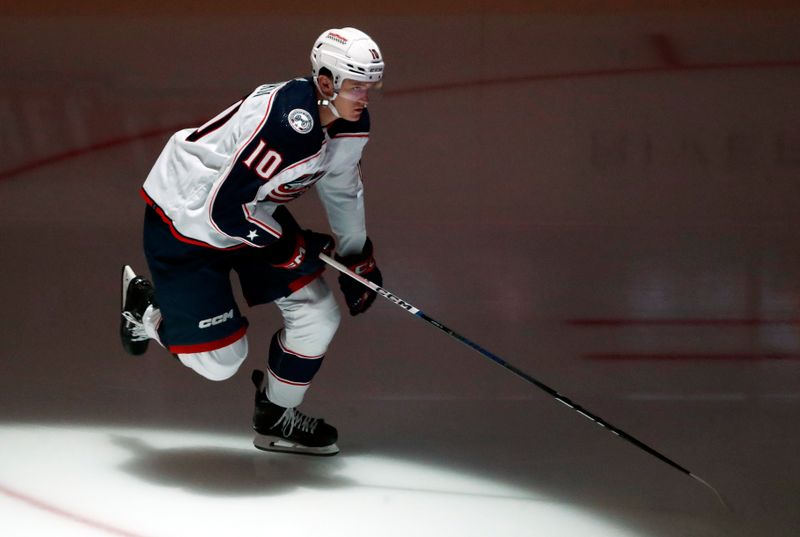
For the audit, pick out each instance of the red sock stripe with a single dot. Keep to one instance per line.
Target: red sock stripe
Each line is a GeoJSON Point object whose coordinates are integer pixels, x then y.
{"type": "Point", "coordinates": [293, 353]}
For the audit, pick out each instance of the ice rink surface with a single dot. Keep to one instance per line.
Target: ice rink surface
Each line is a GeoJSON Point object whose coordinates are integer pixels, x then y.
{"type": "Point", "coordinates": [608, 198]}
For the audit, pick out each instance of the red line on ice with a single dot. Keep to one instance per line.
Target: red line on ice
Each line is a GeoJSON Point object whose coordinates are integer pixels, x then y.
{"type": "Point", "coordinates": [53, 510]}
{"type": "Point", "coordinates": [666, 54]}
{"type": "Point", "coordinates": [80, 151]}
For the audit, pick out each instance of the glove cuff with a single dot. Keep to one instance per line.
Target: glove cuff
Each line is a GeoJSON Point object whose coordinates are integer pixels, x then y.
{"type": "Point", "coordinates": [362, 263]}
{"type": "Point", "coordinates": [289, 251]}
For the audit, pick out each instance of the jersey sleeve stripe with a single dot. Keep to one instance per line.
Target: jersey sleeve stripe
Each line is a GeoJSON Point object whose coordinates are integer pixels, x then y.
{"type": "Point", "coordinates": [233, 165]}
{"type": "Point", "coordinates": [215, 123]}
{"type": "Point", "coordinates": [250, 218]}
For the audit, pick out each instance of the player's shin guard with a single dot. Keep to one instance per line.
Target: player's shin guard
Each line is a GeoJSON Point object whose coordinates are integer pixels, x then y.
{"type": "Point", "coordinates": [289, 373]}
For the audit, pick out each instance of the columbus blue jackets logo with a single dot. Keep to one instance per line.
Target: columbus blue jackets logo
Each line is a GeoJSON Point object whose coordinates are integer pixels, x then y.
{"type": "Point", "coordinates": [301, 121]}
{"type": "Point", "coordinates": [288, 191]}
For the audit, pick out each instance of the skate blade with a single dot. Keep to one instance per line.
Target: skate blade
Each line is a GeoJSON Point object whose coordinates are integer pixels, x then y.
{"type": "Point", "coordinates": [281, 445]}
{"type": "Point", "coordinates": [127, 276]}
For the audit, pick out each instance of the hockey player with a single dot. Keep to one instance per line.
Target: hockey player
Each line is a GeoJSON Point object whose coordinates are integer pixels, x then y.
{"type": "Point", "coordinates": [216, 201]}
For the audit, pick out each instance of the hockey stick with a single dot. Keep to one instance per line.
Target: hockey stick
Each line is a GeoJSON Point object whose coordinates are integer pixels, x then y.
{"type": "Point", "coordinates": [518, 372]}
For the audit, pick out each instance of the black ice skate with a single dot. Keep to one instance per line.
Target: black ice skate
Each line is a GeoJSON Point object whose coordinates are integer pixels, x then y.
{"type": "Point", "coordinates": [288, 430]}
{"type": "Point", "coordinates": [137, 295]}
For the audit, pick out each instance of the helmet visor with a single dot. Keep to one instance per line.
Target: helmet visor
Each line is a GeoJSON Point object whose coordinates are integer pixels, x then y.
{"type": "Point", "coordinates": [357, 91]}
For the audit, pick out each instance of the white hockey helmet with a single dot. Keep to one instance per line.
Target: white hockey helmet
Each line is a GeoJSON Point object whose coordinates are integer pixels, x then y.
{"type": "Point", "coordinates": [347, 53]}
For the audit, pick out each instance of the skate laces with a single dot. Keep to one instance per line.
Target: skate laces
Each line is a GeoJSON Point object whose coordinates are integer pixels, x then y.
{"type": "Point", "coordinates": [135, 327]}
{"type": "Point", "coordinates": [292, 419]}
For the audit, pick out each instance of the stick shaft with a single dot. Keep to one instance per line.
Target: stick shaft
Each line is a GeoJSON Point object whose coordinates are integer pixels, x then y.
{"type": "Point", "coordinates": [518, 372]}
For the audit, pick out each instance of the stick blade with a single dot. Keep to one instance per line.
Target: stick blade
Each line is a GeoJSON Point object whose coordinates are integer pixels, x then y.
{"type": "Point", "coordinates": [714, 490]}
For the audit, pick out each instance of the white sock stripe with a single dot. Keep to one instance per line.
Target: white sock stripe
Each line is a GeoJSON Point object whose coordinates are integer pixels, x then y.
{"type": "Point", "coordinates": [297, 354]}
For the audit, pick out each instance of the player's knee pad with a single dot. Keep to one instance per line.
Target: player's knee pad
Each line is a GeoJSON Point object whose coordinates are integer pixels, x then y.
{"type": "Point", "coordinates": [219, 364]}
{"type": "Point", "coordinates": [311, 318]}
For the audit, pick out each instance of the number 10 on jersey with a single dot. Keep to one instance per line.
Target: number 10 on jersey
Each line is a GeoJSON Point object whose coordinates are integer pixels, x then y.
{"type": "Point", "coordinates": [266, 163]}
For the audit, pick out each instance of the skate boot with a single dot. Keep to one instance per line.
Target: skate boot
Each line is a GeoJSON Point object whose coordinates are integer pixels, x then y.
{"type": "Point", "coordinates": [137, 295]}
{"type": "Point", "coordinates": [288, 430]}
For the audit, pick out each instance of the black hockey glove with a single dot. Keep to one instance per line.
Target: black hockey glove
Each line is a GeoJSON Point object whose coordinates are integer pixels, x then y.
{"type": "Point", "coordinates": [358, 297]}
{"type": "Point", "coordinates": [297, 246]}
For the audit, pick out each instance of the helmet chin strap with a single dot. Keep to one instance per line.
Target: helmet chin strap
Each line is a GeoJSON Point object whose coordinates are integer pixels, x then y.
{"type": "Point", "coordinates": [328, 103]}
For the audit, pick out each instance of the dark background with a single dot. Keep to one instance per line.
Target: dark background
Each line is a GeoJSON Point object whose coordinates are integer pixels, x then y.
{"type": "Point", "coordinates": [603, 193]}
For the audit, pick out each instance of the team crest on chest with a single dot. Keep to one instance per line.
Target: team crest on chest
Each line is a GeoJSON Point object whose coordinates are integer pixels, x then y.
{"type": "Point", "coordinates": [301, 121]}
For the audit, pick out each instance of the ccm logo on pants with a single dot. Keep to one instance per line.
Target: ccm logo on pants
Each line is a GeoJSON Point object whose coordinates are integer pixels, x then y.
{"type": "Point", "coordinates": [219, 319]}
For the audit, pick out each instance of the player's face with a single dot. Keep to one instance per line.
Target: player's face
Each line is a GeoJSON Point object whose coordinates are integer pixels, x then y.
{"type": "Point", "coordinates": [353, 98]}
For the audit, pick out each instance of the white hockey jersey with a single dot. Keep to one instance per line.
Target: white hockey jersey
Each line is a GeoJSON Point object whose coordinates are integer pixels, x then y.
{"type": "Point", "coordinates": [219, 185]}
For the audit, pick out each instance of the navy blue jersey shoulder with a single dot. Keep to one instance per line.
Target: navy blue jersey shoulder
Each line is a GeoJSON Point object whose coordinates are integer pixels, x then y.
{"type": "Point", "coordinates": [291, 134]}
{"type": "Point", "coordinates": [343, 127]}
{"type": "Point", "coordinates": [293, 127]}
